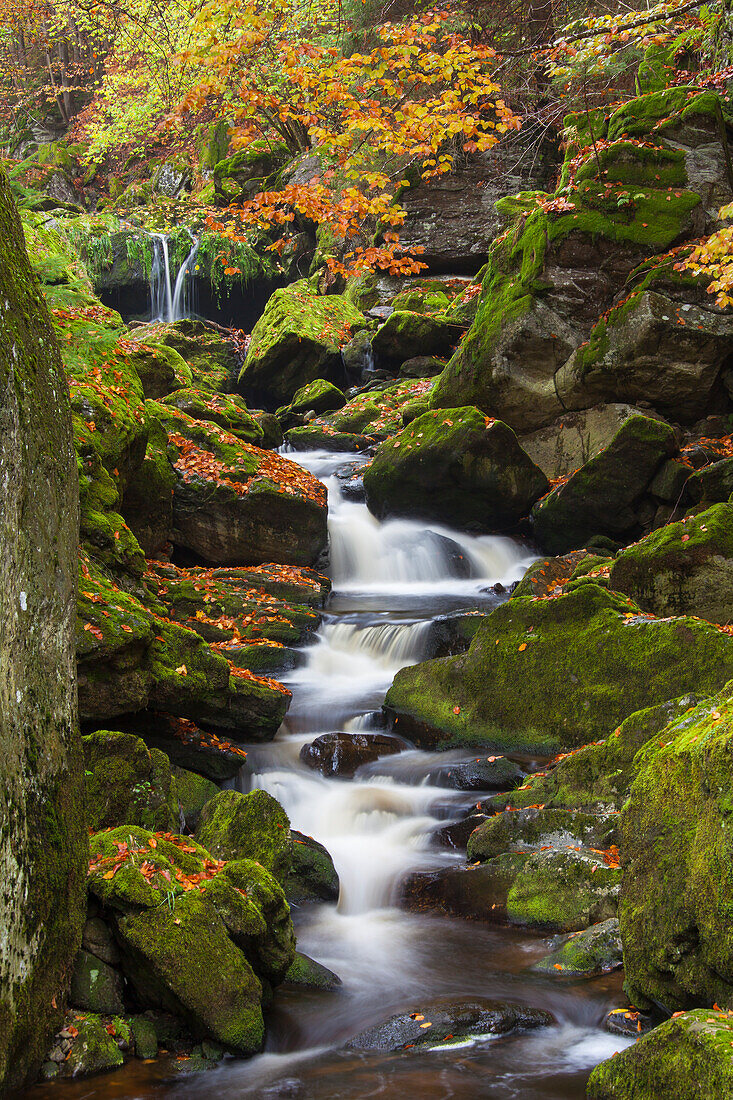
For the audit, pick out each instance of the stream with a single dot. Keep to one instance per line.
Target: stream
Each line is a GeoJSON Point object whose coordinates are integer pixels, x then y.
{"type": "Point", "coordinates": [390, 580]}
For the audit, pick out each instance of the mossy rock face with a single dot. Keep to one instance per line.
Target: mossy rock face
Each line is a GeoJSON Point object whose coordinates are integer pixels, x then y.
{"type": "Point", "coordinates": [306, 973]}
{"type": "Point", "coordinates": [234, 503]}
{"type": "Point", "coordinates": [678, 883]}
{"type": "Point", "coordinates": [297, 340]}
{"type": "Point", "coordinates": [42, 845]}
{"type": "Point", "coordinates": [161, 369]}
{"type": "Point", "coordinates": [322, 437]}
{"type": "Point", "coordinates": [211, 358]}
{"type": "Point", "coordinates": [247, 826]}
{"type": "Point", "coordinates": [683, 568]}
{"type": "Point", "coordinates": [458, 467]}
{"type": "Point", "coordinates": [549, 573]}
{"type": "Point", "coordinates": [97, 1045]}
{"type": "Point", "coordinates": [182, 959]}
{"type": "Point", "coordinates": [585, 954]}
{"type": "Point", "coordinates": [650, 349]}
{"type": "Point", "coordinates": [555, 890]}
{"type": "Point", "coordinates": [597, 777]}
{"type": "Point", "coordinates": [148, 501]}
{"type": "Point", "coordinates": [600, 498]}
{"type": "Point", "coordinates": [585, 661]}
{"type": "Point", "coordinates": [320, 396]}
{"type": "Point", "coordinates": [687, 1057]}
{"type": "Point", "coordinates": [406, 334]}
{"type": "Point", "coordinates": [95, 985]}
{"type": "Point", "coordinates": [312, 876]}
{"type": "Point", "coordinates": [712, 484]}
{"type": "Point", "coordinates": [127, 783]}
{"type": "Point", "coordinates": [194, 791]}
{"type": "Point", "coordinates": [227, 410]}
{"type": "Point", "coordinates": [538, 826]}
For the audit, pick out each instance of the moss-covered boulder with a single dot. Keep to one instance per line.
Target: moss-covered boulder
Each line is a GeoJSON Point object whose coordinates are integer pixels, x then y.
{"type": "Point", "coordinates": [687, 1057]}
{"type": "Point", "coordinates": [227, 410]}
{"type": "Point", "coordinates": [247, 826]}
{"type": "Point", "coordinates": [407, 334]}
{"type": "Point", "coordinates": [148, 500]}
{"type": "Point", "coordinates": [597, 950]}
{"type": "Point", "coordinates": [652, 349]}
{"type": "Point", "coordinates": [234, 503]}
{"type": "Point", "coordinates": [193, 791]}
{"type": "Point", "coordinates": [372, 415]}
{"type": "Point", "coordinates": [95, 985]}
{"type": "Point", "coordinates": [196, 937]}
{"type": "Point", "coordinates": [306, 973]}
{"type": "Point", "coordinates": [211, 357]}
{"type": "Point", "coordinates": [585, 661]}
{"type": "Point", "coordinates": [567, 444]}
{"type": "Point", "coordinates": [127, 783]}
{"type": "Point", "coordinates": [601, 497]}
{"type": "Point", "coordinates": [319, 396]}
{"type": "Point", "coordinates": [312, 875]}
{"type": "Point", "coordinates": [676, 844]}
{"type": "Point", "coordinates": [42, 846]}
{"type": "Point", "coordinates": [683, 568]}
{"type": "Point", "coordinates": [457, 466]}
{"type": "Point", "coordinates": [161, 369]}
{"type": "Point", "coordinates": [297, 340]}
{"type": "Point", "coordinates": [88, 1044]}
{"type": "Point", "coordinates": [538, 826]}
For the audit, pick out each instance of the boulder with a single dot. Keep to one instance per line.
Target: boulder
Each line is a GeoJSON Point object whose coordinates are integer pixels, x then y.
{"type": "Point", "coordinates": [306, 973]}
{"type": "Point", "coordinates": [297, 340]}
{"type": "Point", "coordinates": [586, 954]}
{"type": "Point", "coordinates": [650, 349]}
{"type": "Point", "coordinates": [678, 884]}
{"type": "Point", "coordinates": [448, 1021]}
{"type": "Point", "coordinates": [161, 369]}
{"type": "Point", "coordinates": [687, 1057]}
{"type": "Point", "coordinates": [88, 1044]}
{"type": "Point", "coordinates": [560, 890]}
{"type": "Point", "coordinates": [43, 846]}
{"type": "Point", "coordinates": [226, 410]}
{"type": "Point", "coordinates": [148, 502]}
{"type": "Point", "coordinates": [406, 334]}
{"type": "Point", "coordinates": [491, 773]}
{"type": "Point", "coordinates": [127, 784]}
{"type": "Point", "coordinates": [319, 396]}
{"type": "Point", "coordinates": [343, 753]}
{"type": "Point", "coordinates": [564, 446]}
{"type": "Point", "coordinates": [194, 791]}
{"type": "Point", "coordinates": [541, 827]}
{"type": "Point", "coordinates": [236, 504]}
{"type": "Point", "coordinates": [247, 826]}
{"type": "Point", "coordinates": [458, 467]}
{"type": "Point", "coordinates": [95, 985]}
{"type": "Point", "coordinates": [312, 876]}
{"type": "Point", "coordinates": [211, 357]}
{"type": "Point", "coordinates": [601, 498]}
{"type": "Point", "coordinates": [585, 661]}
{"type": "Point", "coordinates": [682, 568]}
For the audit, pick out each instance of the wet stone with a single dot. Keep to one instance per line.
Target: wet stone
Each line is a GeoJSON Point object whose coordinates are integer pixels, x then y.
{"type": "Point", "coordinates": [342, 753]}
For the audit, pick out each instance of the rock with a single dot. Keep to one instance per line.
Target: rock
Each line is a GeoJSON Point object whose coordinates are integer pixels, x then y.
{"type": "Point", "coordinates": [127, 783]}
{"type": "Point", "coordinates": [226, 410]}
{"type": "Point", "coordinates": [95, 985]}
{"type": "Point", "coordinates": [543, 827]}
{"type": "Point", "coordinates": [297, 340]}
{"type": "Point", "coordinates": [171, 179]}
{"type": "Point", "coordinates": [712, 484]}
{"type": "Point", "coordinates": [601, 497]}
{"type": "Point", "coordinates": [585, 954]}
{"type": "Point", "coordinates": [95, 1047]}
{"type": "Point", "coordinates": [548, 574]}
{"type": "Point", "coordinates": [312, 875]}
{"type": "Point", "coordinates": [144, 1037]}
{"type": "Point", "coordinates": [148, 502]}
{"type": "Point", "coordinates": [211, 357]}
{"type": "Point", "coordinates": [236, 504]}
{"type": "Point", "coordinates": [677, 886]}
{"type": "Point", "coordinates": [650, 349]}
{"type": "Point", "coordinates": [97, 939]}
{"type": "Point", "coordinates": [567, 444]}
{"type": "Point", "coordinates": [250, 167]}
{"type": "Point", "coordinates": [449, 1021]}
{"type": "Point", "coordinates": [422, 366]}
{"type": "Point", "coordinates": [597, 777]}
{"type": "Point", "coordinates": [247, 826]}
{"type": "Point", "coordinates": [458, 467]}
{"type": "Point", "coordinates": [343, 753]}
{"type": "Point", "coordinates": [687, 1058]}
{"type": "Point", "coordinates": [630, 1022]}
{"type": "Point", "coordinates": [492, 773]}
{"type": "Point", "coordinates": [683, 568]}
{"type": "Point", "coordinates": [320, 396]}
{"type": "Point", "coordinates": [321, 437]}
{"type": "Point", "coordinates": [194, 791]}
{"type": "Point", "coordinates": [43, 845]}
{"type": "Point", "coordinates": [585, 660]}
{"type": "Point", "coordinates": [405, 335]}
{"type": "Point", "coordinates": [306, 973]}
{"type": "Point", "coordinates": [561, 890]}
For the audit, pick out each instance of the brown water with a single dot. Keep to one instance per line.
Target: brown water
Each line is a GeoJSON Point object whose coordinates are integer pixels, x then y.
{"type": "Point", "coordinates": [390, 580]}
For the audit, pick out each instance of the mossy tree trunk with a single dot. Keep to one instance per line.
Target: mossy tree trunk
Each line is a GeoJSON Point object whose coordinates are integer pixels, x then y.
{"type": "Point", "coordinates": [42, 836]}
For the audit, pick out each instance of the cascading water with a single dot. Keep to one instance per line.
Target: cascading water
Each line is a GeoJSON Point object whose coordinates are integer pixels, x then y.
{"type": "Point", "coordinates": [390, 580]}
{"type": "Point", "coordinates": [172, 301]}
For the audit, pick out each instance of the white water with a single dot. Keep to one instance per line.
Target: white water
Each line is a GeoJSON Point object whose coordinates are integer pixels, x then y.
{"type": "Point", "coordinates": [171, 301]}
{"type": "Point", "coordinates": [390, 579]}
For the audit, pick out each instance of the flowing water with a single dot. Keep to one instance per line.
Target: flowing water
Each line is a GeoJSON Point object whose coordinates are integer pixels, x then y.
{"type": "Point", "coordinates": [390, 582]}
{"type": "Point", "coordinates": [172, 299]}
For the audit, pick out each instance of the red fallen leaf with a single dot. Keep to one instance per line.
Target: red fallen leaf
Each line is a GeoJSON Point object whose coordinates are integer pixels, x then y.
{"type": "Point", "coordinates": [557, 966]}
{"type": "Point", "coordinates": [685, 538]}
{"type": "Point", "coordinates": [456, 710]}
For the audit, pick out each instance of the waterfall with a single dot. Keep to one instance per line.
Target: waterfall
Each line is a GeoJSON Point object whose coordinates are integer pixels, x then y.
{"type": "Point", "coordinates": [169, 301]}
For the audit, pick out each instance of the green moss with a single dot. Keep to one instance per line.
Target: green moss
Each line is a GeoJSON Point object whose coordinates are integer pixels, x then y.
{"type": "Point", "coordinates": [585, 954]}
{"type": "Point", "coordinates": [193, 791]}
{"type": "Point", "coordinates": [127, 783]}
{"type": "Point", "coordinates": [586, 661]}
{"type": "Point", "coordinates": [247, 826]}
{"type": "Point", "coordinates": [663, 110]}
